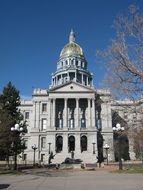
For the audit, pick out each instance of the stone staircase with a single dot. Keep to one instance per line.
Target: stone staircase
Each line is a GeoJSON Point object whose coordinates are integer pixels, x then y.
{"type": "Point", "coordinates": [85, 157]}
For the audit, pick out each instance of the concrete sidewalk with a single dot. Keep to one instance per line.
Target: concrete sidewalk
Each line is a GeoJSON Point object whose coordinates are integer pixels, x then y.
{"type": "Point", "coordinates": [72, 180]}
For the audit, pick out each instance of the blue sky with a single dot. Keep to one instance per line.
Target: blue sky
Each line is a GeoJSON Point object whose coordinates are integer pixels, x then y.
{"type": "Point", "coordinates": [33, 32]}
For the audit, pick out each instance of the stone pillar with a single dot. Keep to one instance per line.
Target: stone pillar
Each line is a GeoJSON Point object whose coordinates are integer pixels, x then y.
{"type": "Point", "coordinates": [82, 78]}
{"type": "Point", "coordinates": [68, 75]}
{"type": "Point", "coordinates": [37, 115]}
{"type": "Point", "coordinates": [93, 113]}
{"type": "Point", "coordinates": [65, 144]}
{"type": "Point", "coordinates": [87, 80]}
{"type": "Point", "coordinates": [53, 112]}
{"type": "Point", "coordinates": [56, 80]}
{"type": "Point", "coordinates": [77, 145]}
{"type": "Point", "coordinates": [49, 114]}
{"type": "Point", "coordinates": [89, 113]}
{"type": "Point", "coordinates": [65, 126]}
{"type": "Point", "coordinates": [75, 76]}
{"type": "Point", "coordinates": [77, 114]}
{"type": "Point", "coordinates": [91, 81]}
{"type": "Point", "coordinates": [74, 62]}
{"type": "Point", "coordinates": [34, 115]}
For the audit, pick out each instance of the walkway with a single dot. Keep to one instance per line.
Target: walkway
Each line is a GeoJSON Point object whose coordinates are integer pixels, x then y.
{"type": "Point", "coordinates": [42, 179]}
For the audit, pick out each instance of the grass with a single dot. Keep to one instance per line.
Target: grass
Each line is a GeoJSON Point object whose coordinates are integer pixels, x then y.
{"type": "Point", "coordinates": [8, 171]}
{"type": "Point", "coordinates": [130, 170]}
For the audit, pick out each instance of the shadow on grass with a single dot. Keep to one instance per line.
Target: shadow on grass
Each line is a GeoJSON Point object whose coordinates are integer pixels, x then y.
{"type": "Point", "coordinates": [4, 186]}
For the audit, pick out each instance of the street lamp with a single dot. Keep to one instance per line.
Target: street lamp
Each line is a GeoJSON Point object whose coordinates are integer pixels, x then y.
{"type": "Point", "coordinates": [34, 148]}
{"type": "Point", "coordinates": [16, 130]}
{"type": "Point", "coordinates": [118, 129]}
{"type": "Point", "coordinates": [106, 147]}
{"type": "Point", "coordinates": [49, 147]}
{"type": "Point", "coordinates": [93, 147]}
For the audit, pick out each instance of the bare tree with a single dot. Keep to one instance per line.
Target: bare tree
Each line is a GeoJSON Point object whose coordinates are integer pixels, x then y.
{"type": "Point", "coordinates": [124, 56]}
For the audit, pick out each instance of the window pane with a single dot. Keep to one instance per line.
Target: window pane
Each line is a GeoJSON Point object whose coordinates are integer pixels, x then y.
{"type": "Point", "coordinates": [44, 124]}
{"type": "Point", "coordinates": [43, 142]}
{"type": "Point", "coordinates": [26, 143]}
{"type": "Point", "coordinates": [42, 157]}
{"type": "Point", "coordinates": [44, 107]}
{"type": "Point", "coordinates": [26, 115]}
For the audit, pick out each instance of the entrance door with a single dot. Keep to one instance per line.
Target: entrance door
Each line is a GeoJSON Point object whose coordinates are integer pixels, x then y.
{"type": "Point", "coordinates": [71, 143]}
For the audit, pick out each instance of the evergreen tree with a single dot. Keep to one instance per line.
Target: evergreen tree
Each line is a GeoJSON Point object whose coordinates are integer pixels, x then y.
{"type": "Point", "coordinates": [10, 142]}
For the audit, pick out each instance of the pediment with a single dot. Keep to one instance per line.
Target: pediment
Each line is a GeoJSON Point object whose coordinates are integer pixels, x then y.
{"type": "Point", "coordinates": [72, 87]}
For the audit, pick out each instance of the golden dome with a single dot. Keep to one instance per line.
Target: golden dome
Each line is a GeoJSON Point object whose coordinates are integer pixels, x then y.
{"type": "Point", "coordinates": [71, 49]}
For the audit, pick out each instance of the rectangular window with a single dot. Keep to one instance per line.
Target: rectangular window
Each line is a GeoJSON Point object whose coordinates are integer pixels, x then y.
{"type": "Point", "coordinates": [125, 115]}
{"type": "Point", "coordinates": [134, 116]}
{"type": "Point", "coordinates": [43, 142]}
{"type": "Point", "coordinates": [83, 123]}
{"type": "Point", "coordinates": [71, 123]}
{"type": "Point", "coordinates": [26, 143]}
{"type": "Point", "coordinates": [26, 115]}
{"type": "Point", "coordinates": [44, 124]}
{"type": "Point", "coordinates": [24, 157]}
{"type": "Point", "coordinates": [42, 157]}
{"type": "Point", "coordinates": [44, 107]}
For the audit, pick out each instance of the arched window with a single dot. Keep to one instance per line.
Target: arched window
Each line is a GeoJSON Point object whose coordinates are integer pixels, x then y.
{"type": "Point", "coordinates": [59, 143]}
{"type": "Point", "coordinates": [71, 143]}
{"type": "Point", "coordinates": [83, 143]}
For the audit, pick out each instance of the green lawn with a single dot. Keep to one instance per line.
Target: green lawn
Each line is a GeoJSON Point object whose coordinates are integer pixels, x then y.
{"type": "Point", "coordinates": [130, 170]}
{"type": "Point", "coordinates": [7, 171]}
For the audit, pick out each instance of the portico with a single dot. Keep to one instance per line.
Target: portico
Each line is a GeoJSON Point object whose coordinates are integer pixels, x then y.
{"type": "Point", "coordinates": [72, 113]}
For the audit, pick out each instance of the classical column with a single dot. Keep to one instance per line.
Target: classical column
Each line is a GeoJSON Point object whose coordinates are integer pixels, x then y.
{"type": "Point", "coordinates": [49, 114]}
{"type": "Point", "coordinates": [75, 76]}
{"type": "Point", "coordinates": [77, 144]}
{"type": "Point", "coordinates": [53, 112]}
{"type": "Point", "coordinates": [82, 78]}
{"type": "Point", "coordinates": [65, 144]}
{"type": "Point", "coordinates": [68, 74]}
{"type": "Point", "coordinates": [87, 80]}
{"type": "Point", "coordinates": [56, 80]}
{"type": "Point", "coordinates": [65, 126]}
{"type": "Point", "coordinates": [77, 113]}
{"type": "Point", "coordinates": [89, 113]}
{"type": "Point", "coordinates": [37, 114]}
{"type": "Point", "coordinates": [93, 113]}
{"type": "Point", "coordinates": [74, 62]}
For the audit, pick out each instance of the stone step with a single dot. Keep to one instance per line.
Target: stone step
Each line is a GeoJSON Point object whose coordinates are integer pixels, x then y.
{"type": "Point", "coordinates": [85, 157]}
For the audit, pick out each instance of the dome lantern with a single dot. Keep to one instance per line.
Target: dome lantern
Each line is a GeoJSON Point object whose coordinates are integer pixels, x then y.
{"type": "Point", "coordinates": [71, 48]}
{"type": "Point", "coordinates": [71, 36]}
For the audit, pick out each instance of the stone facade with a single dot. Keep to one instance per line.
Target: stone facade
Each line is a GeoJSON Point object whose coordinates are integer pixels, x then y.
{"type": "Point", "coordinates": [64, 118]}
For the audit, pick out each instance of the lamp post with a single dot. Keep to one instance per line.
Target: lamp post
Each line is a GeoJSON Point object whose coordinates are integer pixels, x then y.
{"type": "Point", "coordinates": [106, 147]}
{"type": "Point", "coordinates": [16, 130]}
{"type": "Point", "coordinates": [118, 129]}
{"type": "Point", "coordinates": [49, 147]}
{"type": "Point", "coordinates": [34, 148]}
{"type": "Point", "coordinates": [93, 147]}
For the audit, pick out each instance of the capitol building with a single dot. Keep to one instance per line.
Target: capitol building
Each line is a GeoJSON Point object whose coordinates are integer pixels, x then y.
{"type": "Point", "coordinates": [68, 116]}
